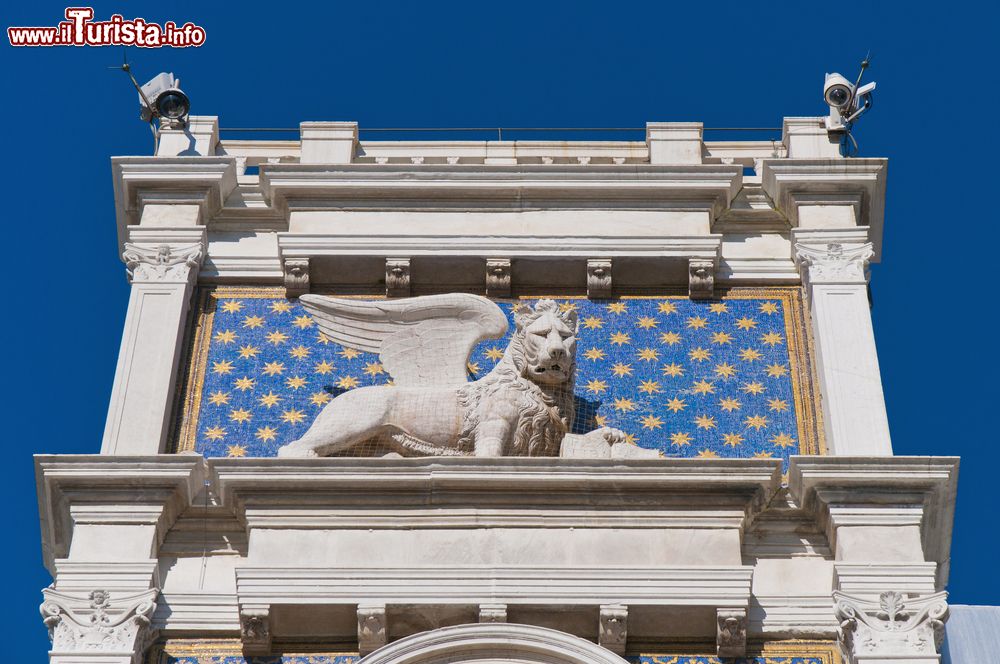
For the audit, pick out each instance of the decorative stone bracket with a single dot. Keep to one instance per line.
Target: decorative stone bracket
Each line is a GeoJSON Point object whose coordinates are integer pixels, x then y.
{"type": "Point", "coordinates": [296, 272]}
{"type": "Point", "coordinates": [372, 628]}
{"type": "Point", "coordinates": [498, 277]}
{"type": "Point", "coordinates": [613, 629]}
{"type": "Point", "coordinates": [99, 626]}
{"type": "Point", "coordinates": [895, 626]}
{"type": "Point", "coordinates": [255, 630]}
{"type": "Point", "coordinates": [492, 613]}
{"type": "Point", "coordinates": [701, 279]}
{"type": "Point", "coordinates": [731, 632]}
{"type": "Point", "coordinates": [397, 277]}
{"type": "Point", "coordinates": [599, 278]}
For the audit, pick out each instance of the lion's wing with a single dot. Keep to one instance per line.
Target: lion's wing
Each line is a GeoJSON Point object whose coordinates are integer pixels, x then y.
{"type": "Point", "coordinates": [421, 341]}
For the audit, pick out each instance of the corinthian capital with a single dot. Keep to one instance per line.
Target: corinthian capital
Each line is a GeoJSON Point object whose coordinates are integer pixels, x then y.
{"type": "Point", "coordinates": [834, 263]}
{"type": "Point", "coordinates": [99, 623]}
{"type": "Point", "coordinates": [164, 262]}
{"type": "Point", "coordinates": [895, 625]}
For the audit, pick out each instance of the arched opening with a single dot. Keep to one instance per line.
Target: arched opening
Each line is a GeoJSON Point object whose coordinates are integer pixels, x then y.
{"type": "Point", "coordinates": [492, 643]}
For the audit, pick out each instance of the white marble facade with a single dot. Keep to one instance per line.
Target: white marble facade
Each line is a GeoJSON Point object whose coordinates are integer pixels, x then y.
{"type": "Point", "coordinates": [489, 555]}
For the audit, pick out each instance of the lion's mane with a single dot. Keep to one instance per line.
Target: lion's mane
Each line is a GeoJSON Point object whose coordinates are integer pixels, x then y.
{"type": "Point", "coordinates": [544, 413]}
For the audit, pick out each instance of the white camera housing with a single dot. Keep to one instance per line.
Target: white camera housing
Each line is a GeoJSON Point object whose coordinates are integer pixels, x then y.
{"type": "Point", "coordinates": [157, 86]}
{"type": "Point", "coordinates": [837, 91]}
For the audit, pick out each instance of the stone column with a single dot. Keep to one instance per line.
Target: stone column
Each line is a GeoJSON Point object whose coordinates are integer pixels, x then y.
{"type": "Point", "coordinates": [833, 265]}
{"type": "Point", "coordinates": [162, 264]}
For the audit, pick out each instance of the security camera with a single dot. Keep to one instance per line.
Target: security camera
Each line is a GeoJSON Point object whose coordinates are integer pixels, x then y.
{"type": "Point", "coordinates": [847, 101]}
{"type": "Point", "coordinates": [162, 98]}
{"type": "Point", "coordinates": [837, 91]}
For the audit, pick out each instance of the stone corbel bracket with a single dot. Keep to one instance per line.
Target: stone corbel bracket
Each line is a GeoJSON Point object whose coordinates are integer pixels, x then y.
{"type": "Point", "coordinates": [255, 629]}
{"type": "Point", "coordinates": [599, 284]}
{"type": "Point", "coordinates": [701, 278]}
{"type": "Point", "coordinates": [884, 492]}
{"type": "Point", "coordinates": [397, 277]}
{"type": "Point", "coordinates": [613, 628]}
{"type": "Point", "coordinates": [296, 274]}
{"type": "Point", "coordinates": [492, 613]}
{"type": "Point", "coordinates": [199, 183]}
{"type": "Point", "coordinates": [372, 628]}
{"type": "Point", "coordinates": [731, 632]}
{"type": "Point", "coordinates": [895, 626]}
{"type": "Point", "coordinates": [77, 490]}
{"type": "Point", "coordinates": [498, 277]}
{"type": "Point", "coordinates": [99, 623]}
{"type": "Point", "coordinates": [855, 185]}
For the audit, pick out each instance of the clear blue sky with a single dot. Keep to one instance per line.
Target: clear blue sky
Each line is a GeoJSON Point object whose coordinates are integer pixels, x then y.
{"type": "Point", "coordinates": [512, 64]}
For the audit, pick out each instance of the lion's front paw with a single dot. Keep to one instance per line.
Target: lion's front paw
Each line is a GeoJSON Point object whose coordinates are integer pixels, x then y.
{"type": "Point", "coordinates": [293, 452]}
{"type": "Point", "coordinates": [611, 435]}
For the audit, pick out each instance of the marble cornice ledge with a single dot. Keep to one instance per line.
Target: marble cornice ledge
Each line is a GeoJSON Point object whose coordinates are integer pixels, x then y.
{"type": "Point", "coordinates": [859, 183]}
{"type": "Point", "coordinates": [895, 490]}
{"type": "Point", "coordinates": [313, 245]}
{"type": "Point", "coordinates": [318, 493]}
{"type": "Point", "coordinates": [307, 186]}
{"type": "Point", "coordinates": [111, 489]}
{"type": "Point", "coordinates": [202, 181]}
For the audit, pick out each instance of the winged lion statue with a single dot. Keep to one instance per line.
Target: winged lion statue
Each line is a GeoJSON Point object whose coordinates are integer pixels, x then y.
{"type": "Point", "coordinates": [523, 407]}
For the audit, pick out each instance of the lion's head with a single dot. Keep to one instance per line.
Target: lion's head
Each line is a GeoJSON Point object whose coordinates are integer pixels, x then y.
{"type": "Point", "coordinates": [547, 337]}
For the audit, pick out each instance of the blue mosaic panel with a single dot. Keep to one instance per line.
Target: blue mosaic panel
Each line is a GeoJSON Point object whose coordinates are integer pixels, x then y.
{"type": "Point", "coordinates": [687, 378]}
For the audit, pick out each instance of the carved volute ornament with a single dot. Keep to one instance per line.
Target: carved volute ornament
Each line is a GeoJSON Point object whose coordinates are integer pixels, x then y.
{"type": "Point", "coordinates": [164, 262]}
{"type": "Point", "coordinates": [834, 263]}
{"type": "Point", "coordinates": [894, 625]}
{"type": "Point", "coordinates": [99, 623]}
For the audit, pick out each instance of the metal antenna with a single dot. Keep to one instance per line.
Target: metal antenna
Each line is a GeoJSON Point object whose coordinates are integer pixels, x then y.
{"type": "Point", "coordinates": [127, 68]}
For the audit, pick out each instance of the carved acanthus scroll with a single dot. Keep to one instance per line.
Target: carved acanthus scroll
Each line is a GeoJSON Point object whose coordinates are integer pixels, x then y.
{"type": "Point", "coordinates": [834, 263]}
{"type": "Point", "coordinates": [98, 623]}
{"type": "Point", "coordinates": [895, 625]}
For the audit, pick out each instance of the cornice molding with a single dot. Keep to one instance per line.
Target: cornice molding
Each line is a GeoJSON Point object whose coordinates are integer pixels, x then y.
{"type": "Point", "coordinates": [121, 485]}
{"type": "Point", "coordinates": [202, 181]}
{"type": "Point", "coordinates": [312, 245]}
{"type": "Point", "coordinates": [462, 187]}
{"type": "Point", "coordinates": [859, 183]}
{"type": "Point", "coordinates": [831, 486]}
